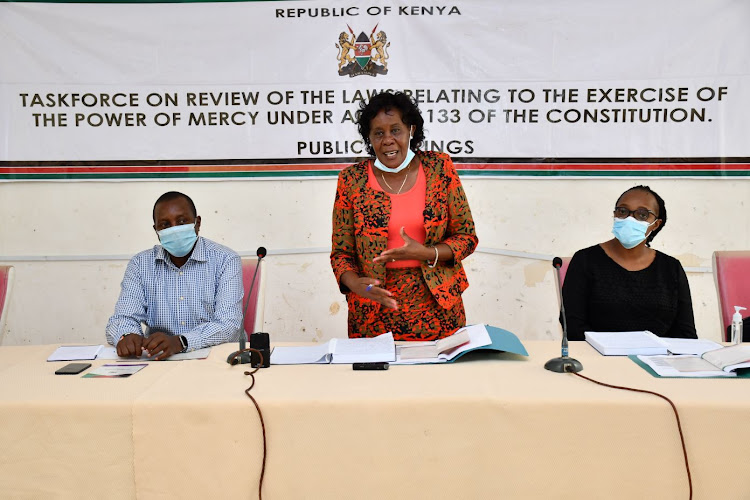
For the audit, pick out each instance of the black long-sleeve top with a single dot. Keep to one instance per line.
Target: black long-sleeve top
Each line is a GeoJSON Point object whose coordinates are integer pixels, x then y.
{"type": "Point", "coordinates": [600, 295]}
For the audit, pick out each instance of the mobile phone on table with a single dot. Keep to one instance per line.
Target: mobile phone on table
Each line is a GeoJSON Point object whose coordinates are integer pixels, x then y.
{"type": "Point", "coordinates": [72, 369]}
{"type": "Point", "coordinates": [380, 365]}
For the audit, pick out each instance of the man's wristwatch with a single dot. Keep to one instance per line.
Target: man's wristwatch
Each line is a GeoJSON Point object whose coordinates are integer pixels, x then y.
{"type": "Point", "coordinates": [184, 343]}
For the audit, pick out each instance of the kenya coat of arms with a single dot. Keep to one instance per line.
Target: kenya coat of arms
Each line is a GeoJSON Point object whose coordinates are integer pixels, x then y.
{"type": "Point", "coordinates": [363, 55]}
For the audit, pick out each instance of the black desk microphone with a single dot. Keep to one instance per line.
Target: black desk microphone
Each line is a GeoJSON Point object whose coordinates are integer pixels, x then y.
{"type": "Point", "coordinates": [563, 363]}
{"type": "Point", "coordinates": [259, 341]}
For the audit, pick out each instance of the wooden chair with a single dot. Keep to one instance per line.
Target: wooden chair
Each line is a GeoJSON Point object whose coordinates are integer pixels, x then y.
{"type": "Point", "coordinates": [254, 315]}
{"type": "Point", "coordinates": [6, 281]}
{"type": "Point", "coordinates": [732, 279]}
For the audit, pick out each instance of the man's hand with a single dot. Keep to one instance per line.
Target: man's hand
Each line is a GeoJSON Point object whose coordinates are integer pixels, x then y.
{"type": "Point", "coordinates": [160, 346]}
{"type": "Point", "coordinates": [130, 345]}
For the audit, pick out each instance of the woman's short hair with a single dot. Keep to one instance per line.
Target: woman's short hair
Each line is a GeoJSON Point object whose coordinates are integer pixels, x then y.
{"type": "Point", "coordinates": [660, 203]}
{"type": "Point", "coordinates": [387, 101]}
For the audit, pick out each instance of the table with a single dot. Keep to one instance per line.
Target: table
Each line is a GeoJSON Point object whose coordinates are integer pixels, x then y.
{"type": "Point", "coordinates": [489, 426]}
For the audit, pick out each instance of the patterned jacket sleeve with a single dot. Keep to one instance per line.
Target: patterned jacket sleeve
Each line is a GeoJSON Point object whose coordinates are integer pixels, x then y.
{"type": "Point", "coordinates": [343, 251]}
{"type": "Point", "coordinates": [461, 236]}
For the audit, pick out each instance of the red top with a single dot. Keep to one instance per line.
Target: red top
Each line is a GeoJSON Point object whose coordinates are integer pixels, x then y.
{"type": "Point", "coordinates": [407, 211]}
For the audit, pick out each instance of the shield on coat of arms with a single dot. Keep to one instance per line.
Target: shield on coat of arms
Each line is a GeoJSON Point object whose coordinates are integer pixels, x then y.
{"type": "Point", "coordinates": [362, 50]}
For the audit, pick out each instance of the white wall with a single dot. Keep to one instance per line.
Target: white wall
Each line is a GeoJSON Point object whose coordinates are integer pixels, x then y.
{"type": "Point", "coordinates": [65, 238]}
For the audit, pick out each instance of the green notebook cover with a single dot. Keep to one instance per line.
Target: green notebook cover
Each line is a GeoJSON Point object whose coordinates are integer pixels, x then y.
{"type": "Point", "coordinates": [742, 373]}
{"type": "Point", "coordinates": [502, 341]}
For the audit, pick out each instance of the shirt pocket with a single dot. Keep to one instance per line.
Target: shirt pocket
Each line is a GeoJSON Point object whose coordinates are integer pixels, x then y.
{"type": "Point", "coordinates": [201, 294]}
{"type": "Point", "coordinates": [207, 300]}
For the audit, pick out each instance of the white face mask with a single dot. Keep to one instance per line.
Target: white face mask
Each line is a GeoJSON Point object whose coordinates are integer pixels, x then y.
{"type": "Point", "coordinates": [409, 157]}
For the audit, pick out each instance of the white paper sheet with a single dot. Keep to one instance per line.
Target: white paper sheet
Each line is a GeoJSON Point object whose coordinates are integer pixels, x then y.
{"type": "Point", "coordinates": [110, 352]}
{"type": "Point", "coordinates": [75, 352]}
{"type": "Point", "coordinates": [690, 346]}
{"type": "Point", "coordinates": [369, 350]}
{"type": "Point", "coordinates": [301, 355]}
{"type": "Point", "coordinates": [380, 348]}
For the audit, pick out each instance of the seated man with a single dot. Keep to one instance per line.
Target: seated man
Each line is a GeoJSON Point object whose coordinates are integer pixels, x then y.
{"type": "Point", "coordinates": [188, 290]}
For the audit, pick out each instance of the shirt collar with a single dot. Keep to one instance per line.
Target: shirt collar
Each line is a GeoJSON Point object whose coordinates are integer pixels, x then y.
{"type": "Point", "coordinates": [199, 252]}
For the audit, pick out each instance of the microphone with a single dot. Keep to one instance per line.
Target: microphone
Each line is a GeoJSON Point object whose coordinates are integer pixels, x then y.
{"type": "Point", "coordinates": [563, 363]}
{"type": "Point", "coordinates": [243, 355]}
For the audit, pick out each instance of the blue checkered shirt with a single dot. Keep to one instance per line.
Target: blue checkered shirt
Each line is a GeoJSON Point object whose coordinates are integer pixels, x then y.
{"type": "Point", "coordinates": [201, 300]}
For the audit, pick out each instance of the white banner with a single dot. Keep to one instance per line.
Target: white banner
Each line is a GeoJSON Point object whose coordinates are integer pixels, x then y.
{"type": "Point", "coordinates": [242, 87]}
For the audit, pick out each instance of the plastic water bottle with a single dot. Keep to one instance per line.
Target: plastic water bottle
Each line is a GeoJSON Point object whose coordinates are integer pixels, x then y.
{"type": "Point", "coordinates": [737, 325]}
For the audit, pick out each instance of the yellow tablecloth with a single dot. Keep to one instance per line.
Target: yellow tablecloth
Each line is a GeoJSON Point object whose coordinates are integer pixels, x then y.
{"type": "Point", "coordinates": [490, 426]}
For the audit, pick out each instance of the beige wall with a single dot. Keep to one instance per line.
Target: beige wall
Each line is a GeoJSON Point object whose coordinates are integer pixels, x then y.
{"type": "Point", "coordinates": [79, 235]}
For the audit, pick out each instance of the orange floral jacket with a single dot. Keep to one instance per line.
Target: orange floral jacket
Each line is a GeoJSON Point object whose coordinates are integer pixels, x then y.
{"type": "Point", "coordinates": [360, 226]}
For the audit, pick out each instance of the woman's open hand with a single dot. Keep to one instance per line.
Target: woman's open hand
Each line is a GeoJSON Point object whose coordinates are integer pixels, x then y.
{"type": "Point", "coordinates": [411, 250]}
{"type": "Point", "coordinates": [369, 288]}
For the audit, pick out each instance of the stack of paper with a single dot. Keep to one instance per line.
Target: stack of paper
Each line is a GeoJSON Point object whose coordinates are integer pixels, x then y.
{"type": "Point", "coordinates": [626, 343]}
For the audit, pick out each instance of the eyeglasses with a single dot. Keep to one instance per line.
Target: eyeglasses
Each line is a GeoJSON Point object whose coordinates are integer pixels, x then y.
{"type": "Point", "coordinates": [641, 214]}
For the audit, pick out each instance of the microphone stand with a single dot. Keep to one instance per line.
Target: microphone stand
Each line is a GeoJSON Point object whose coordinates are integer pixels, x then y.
{"type": "Point", "coordinates": [243, 355]}
{"type": "Point", "coordinates": [562, 364]}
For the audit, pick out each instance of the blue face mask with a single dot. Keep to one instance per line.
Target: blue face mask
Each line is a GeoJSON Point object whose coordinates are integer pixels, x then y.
{"type": "Point", "coordinates": [409, 157]}
{"type": "Point", "coordinates": [630, 232]}
{"type": "Point", "coordinates": [178, 240]}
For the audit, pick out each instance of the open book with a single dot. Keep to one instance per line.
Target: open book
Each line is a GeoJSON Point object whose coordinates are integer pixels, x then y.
{"type": "Point", "coordinates": [380, 348]}
{"type": "Point", "coordinates": [465, 340]}
{"type": "Point", "coordinates": [717, 363]}
{"type": "Point", "coordinates": [440, 351]}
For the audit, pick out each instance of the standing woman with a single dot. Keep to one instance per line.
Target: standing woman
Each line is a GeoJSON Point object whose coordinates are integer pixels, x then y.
{"type": "Point", "coordinates": [401, 227]}
{"type": "Point", "coordinates": [625, 285]}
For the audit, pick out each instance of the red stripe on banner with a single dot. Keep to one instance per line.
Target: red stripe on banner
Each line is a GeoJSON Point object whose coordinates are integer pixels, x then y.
{"type": "Point", "coordinates": [307, 167]}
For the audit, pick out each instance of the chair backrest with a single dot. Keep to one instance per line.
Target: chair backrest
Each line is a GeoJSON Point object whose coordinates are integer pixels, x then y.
{"type": "Point", "coordinates": [254, 316]}
{"type": "Point", "coordinates": [563, 270]}
{"type": "Point", "coordinates": [6, 280]}
{"type": "Point", "coordinates": [732, 279]}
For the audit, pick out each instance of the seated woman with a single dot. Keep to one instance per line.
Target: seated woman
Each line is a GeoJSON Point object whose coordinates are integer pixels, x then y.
{"type": "Point", "coordinates": [623, 284]}
{"type": "Point", "coordinates": [401, 227]}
